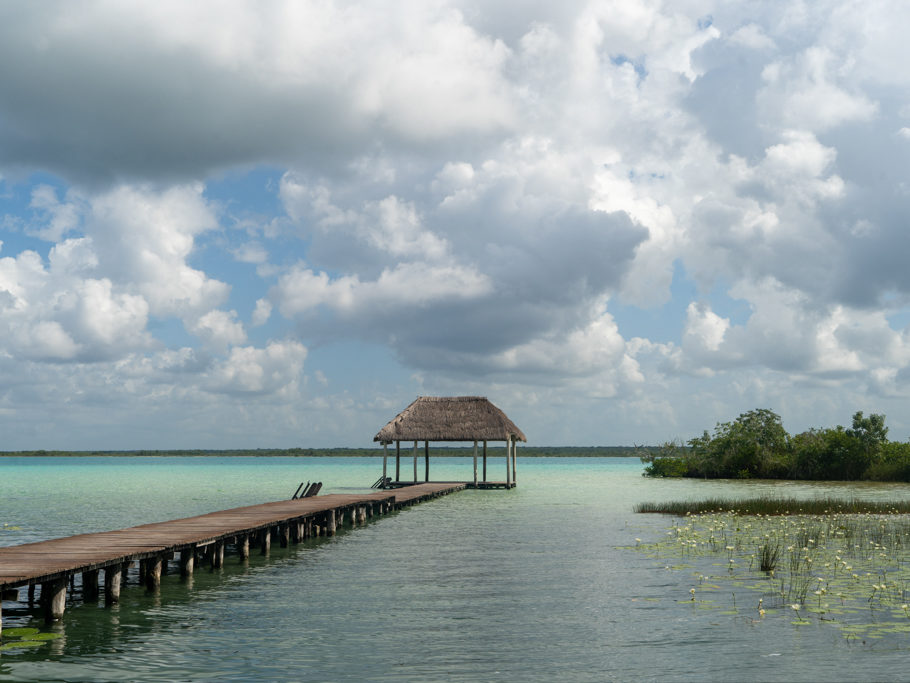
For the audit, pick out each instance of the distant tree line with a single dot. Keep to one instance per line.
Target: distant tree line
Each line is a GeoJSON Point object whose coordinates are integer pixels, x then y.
{"type": "Point", "coordinates": [756, 445]}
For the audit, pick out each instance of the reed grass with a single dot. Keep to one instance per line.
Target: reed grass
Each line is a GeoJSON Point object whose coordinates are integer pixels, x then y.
{"type": "Point", "coordinates": [767, 505]}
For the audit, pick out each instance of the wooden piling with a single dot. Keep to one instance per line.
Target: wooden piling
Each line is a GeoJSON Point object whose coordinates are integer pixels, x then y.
{"type": "Point", "coordinates": [265, 541]}
{"type": "Point", "coordinates": [283, 535]}
{"type": "Point", "coordinates": [187, 561]}
{"type": "Point", "coordinates": [475, 464]}
{"type": "Point", "coordinates": [415, 462]}
{"type": "Point", "coordinates": [53, 599]}
{"type": "Point", "coordinates": [153, 573]}
{"type": "Point", "coordinates": [112, 584]}
{"type": "Point", "coordinates": [243, 547]}
{"type": "Point", "coordinates": [218, 555]}
{"type": "Point", "coordinates": [90, 586]}
{"type": "Point", "coordinates": [426, 458]}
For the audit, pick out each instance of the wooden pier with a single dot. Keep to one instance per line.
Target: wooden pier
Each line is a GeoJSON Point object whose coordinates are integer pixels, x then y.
{"type": "Point", "coordinates": [53, 564]}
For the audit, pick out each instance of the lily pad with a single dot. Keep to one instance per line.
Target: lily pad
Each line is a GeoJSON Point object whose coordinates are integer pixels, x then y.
{"type": "Point", "coordinates": [18, 632]}
{"type": "Point", "coordinates": [45, 636]}
{"type": "Point", "coordinates": [17, 644]}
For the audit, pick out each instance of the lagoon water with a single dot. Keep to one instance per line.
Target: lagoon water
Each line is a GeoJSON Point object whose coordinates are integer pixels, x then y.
{"type": "Point", "coordinates": [537, 584]}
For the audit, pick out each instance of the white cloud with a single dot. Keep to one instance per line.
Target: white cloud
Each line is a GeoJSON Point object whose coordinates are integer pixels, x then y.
{"type": "Point", "coordinates": [274, 369]}
{"type": "Point", "coordinates": [60, 217]}
{"type": "Point", "coordinates": [302, 289]}
{"type": "Point", "coordinates": [261, 313]}
{"type": "Point", "coordinates": [219, 329]}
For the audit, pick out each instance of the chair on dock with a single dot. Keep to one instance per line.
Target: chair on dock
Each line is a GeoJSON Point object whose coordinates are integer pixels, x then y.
{"type": "Point", "coordinates": [309, 490]}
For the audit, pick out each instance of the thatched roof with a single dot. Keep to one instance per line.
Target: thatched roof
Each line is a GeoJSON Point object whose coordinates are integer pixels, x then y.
{"type": "Point", "coordinates": [450, 418]}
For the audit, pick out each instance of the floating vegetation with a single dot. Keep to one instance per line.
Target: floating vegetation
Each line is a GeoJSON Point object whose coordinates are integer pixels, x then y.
{"type": "Point", "coordinates": [847, 571]}
{"type": "Point", "coordinates": [21, 639]}
{"type": "Point", "coordinates": [767, 505]}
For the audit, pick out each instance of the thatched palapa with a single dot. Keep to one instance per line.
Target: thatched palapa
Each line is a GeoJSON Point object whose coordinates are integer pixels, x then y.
{"type": "Point", "coordinates": [450, 418]}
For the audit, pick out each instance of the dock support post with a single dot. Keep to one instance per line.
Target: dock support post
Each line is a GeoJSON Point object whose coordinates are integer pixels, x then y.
{"type": "Point", "coordinates": [265, 541]}
{"type": "Point", "coordinates": [330, 523]}
{"type": "Point", "coordinates": [385, 462]}
{"type": "Point", "coordinates": [53, 599]}
{"type": "Point", "coordinates": [484, 460]}
{"type": "Point", "coordinates": [187, 561]}
{"type": "Point", "coordinates": [426, 460]}
{"type": "Point", "coordinates": [90, 586]}
{"type": "Point", "coordinates": [243, 547]}
{"type": "Point", "coordinates": [284, 535]}
{"type": "Point", "coordinates": [31, 595]}
{"type": "Point", "coordinates": [112, 584]}
{"type": "Point", "coordinates": [152, 573]}
{"type": "Point", "coordinates": [475, 463]}
{"type": "Point", "coordinates": [218, 555]}
{"type": "Point", "coordinates": [415, 462]}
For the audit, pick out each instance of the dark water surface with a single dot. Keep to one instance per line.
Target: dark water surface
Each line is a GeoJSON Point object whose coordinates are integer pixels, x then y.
{"type": "Point", "coordinates": [537, 584]}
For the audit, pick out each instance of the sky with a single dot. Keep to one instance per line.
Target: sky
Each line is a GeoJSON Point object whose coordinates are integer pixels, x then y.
{"type": "Point", "coordinates": [275, 224]}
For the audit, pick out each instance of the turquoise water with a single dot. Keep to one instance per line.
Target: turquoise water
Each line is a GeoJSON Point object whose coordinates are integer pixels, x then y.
{"type": "Point", "coordinates": [535, 584]}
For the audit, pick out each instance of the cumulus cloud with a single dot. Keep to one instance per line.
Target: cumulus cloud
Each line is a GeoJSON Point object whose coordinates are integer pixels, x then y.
{"type": "Point", "coordinates": [482, 192]}
{"type": "Point", "coordinates": [249, 371]}
{"type": "Point", "coordinates": [174, 91]}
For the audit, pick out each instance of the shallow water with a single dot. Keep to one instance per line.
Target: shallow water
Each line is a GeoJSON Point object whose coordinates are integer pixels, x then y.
{"type": "Point", "coordinates": [538, 583]}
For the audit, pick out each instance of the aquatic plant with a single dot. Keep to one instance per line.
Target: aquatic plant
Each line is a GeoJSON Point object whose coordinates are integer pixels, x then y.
{"type": "Point", "coordinates": [845, 570]}
{"type": "Point", "coordinates": [24, 638]}
{"type": "Point", "coordinates": [767, 556]}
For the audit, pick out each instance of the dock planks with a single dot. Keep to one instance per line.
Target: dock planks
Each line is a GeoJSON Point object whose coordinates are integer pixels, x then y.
{"type": "Point", "coordinates": [50, 562]}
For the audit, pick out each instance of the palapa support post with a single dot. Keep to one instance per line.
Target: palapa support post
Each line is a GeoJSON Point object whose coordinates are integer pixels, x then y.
{"type": "Point", "coordinates": [53, 599]}
{"type": "Point", "coordinates": [508, 458]}
{"type": "Point", "coordinates": [397, 461]}
{"type": "Point", "coordinates": [515, 462]}
{"type": "Point", "coordinates": [426, 459]}
{"type": "Point", "coordinates": [415, 462]}
{"type": "Point", "coordinates": [485, 460]}
{"type": "Point", "coordinates": [475, 464]}
{"type": "Point", "coordinates": [187, 561]}
{"type": "Point", "coordinates": [385, 462]}
{"type": "Point", "coordinates": [153, 573]}
{"type": "Point", "coordinates": [112, 584]}
{"type": "Point", "coordinates": [90, 585]}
